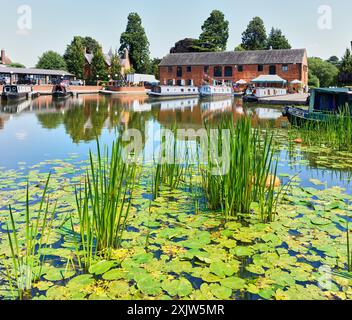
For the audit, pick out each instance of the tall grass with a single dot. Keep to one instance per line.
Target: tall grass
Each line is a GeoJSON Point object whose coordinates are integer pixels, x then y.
{"type": "Point", "coordinates": [104, 202]}
{"type": "Point", "coordinates": [349, 251]}
{"type": "Point", "coordinates": [251, 157]}
{"type": "Point", "coordinates": [26, 251]}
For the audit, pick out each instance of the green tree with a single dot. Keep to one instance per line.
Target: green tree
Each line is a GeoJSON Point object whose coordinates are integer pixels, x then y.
{"type": "Point", "coordinates": [135, 40]}
{"type": "Point", "coordinates": [215, 32]}
{"type": "Point", "coordinates": [346, 62]}
{"type": "Point", "coordinates": [254, 37]}
{"type": "Point", "coordinates": [186, 45]}
{"type": "Point", "coordinates": [239, 48]}
{"type": "Point", "coordinates": [335, 61]}
{"type": "Point", "coordinates": [313, 80]}
{"type": "Point", "coordinates": [155, 67]}
{"type": "Point", "coordinates": [74, 57]}
{"type": "Point", "coordinates": [99, 68]}
{"type": "Point", "coordinates": [326, 72]}
{"type": "Point", "coordinates": [277, 40]}
{"type": "Point", "coordinates": [90, 44]}
{"type": "Point", "coordinates": [16, 65]}
{"type": "Point", "coordinates": [115, 67]}
{"type": "Point", "coordinates": [52, 61]}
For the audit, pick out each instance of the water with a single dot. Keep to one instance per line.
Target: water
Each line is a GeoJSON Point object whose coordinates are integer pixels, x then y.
{"type": "Point", "coordinates": [42, 129]}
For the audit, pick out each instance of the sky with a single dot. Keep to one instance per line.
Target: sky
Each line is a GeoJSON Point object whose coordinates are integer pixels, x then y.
{"type": "Point", "coordinates": [322, 27]}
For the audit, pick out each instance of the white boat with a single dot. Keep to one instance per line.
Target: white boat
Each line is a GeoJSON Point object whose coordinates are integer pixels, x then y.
{"type": "Point", "coordinates": [173, 91]}
{"type": "Point", "coordinates": [210, 91]}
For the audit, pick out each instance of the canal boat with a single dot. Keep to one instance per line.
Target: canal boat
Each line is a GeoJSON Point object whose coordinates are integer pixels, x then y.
{"type": "Point", "coordinates": [16, 92]}
{"type": "Point", "coordinates": [325, 104]}
{"type": "Point", "coordinates": [173, 91]}
{"type": "Point", "coordinates": [214, 90]}
{"type": "Point", "coordinates": [61, 91]}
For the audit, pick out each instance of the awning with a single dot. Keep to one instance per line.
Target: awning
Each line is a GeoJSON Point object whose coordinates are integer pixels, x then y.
{"type": "Point", "coordinates": [296, 82]}
{"type": "Point", "coordinates": [269, 79]}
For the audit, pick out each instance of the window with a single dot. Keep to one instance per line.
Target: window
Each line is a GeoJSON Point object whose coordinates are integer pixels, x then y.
{"type": "Point", "coordinates": [260, 68]}
{"type": "Point", "coordinates": [218, 71]}
{"type": "Point", "coordinates": [179, 71]}
{"type": "Point", "coordinates": [272, 70]}
{"type": "Point", "coordinates": [170, 69]}
{"type": "Point", "coordinates": [189, 69]}
{"type": "Point", "coordinates": [206, 69]}
{"type": "Point", "coordinates": [189, 82]}
{"type": "Point", "coordinates": [285, 68]}
{"type": "Point", "coordinates": [170, 82]}
{"type": "Point", "coordinates": [179, 82]}
{"type": "Point", "coordinates": [240, 68]}
{"type": "Point", "coordinates": [228, 71]}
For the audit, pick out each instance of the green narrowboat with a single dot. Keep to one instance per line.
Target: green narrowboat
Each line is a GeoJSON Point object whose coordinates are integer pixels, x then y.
{"type": "Point", "coordinates": [325, 104]}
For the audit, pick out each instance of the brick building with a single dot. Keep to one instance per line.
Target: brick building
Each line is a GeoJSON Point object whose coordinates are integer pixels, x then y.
{"type": "Point", "coordinates": [4, 60]}
{"type": "Point", "coordinates": [230, 67]}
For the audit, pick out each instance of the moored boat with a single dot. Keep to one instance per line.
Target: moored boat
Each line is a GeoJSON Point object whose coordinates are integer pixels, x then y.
{"type": "Point", "coordinates": [173, 91]}
{"type": "Point", "coordinates": [60, 91]}
{"type": "Point", "coordinates": [325, 104]}
{"type": "Point", "coordinates": [16, 92]}
{"type": "Point", "coordinates": [214, 90]}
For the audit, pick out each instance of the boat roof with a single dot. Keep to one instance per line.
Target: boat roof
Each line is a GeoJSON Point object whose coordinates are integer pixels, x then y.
{"type": "Point", "coordinates": [333, 90]}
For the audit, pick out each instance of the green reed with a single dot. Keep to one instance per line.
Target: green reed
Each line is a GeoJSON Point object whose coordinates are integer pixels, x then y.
{"type": "Point", "coordinates": [26, 250]}
{"type": "Point", "coordinates": [349, 251]}
{"type": "Point", "coordinates": [104, 203]}
{"type": "Point", "coordinates": [249, 169]}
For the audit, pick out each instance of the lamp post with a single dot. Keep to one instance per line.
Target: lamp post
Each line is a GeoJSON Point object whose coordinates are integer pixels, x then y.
{"type": "Point", "coordinates": [97, 79]}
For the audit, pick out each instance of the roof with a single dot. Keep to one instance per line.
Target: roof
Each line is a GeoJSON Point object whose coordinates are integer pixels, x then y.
{"type": "Point", "coordinates": [107, 57]}
{"type": "Point", "coordinates": [269, 78]}
{"type": "Point", "coordinates": [34, 71]}
{"type": "Point", "coordinates": [333, 90]}
{"type": "Point", "coordinates": [235, 57]}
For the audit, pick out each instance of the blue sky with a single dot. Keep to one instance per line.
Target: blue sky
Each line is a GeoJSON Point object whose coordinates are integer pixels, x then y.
{"type": "Point", "coordinates": [54, 23]}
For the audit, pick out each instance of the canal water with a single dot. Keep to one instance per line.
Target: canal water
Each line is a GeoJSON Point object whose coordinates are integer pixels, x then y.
{"type": "Point", "coordinates": [43, 129]}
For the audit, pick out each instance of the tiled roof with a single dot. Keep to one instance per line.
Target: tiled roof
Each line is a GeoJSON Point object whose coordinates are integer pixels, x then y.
{"type": "Point", "coordinates": [235, 57]}
{"type": "Point", "coordinates": [34, 71]}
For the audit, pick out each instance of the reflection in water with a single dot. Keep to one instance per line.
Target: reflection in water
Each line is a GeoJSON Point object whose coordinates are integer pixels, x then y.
{"type": "Point", "coordinates": [33, 131]}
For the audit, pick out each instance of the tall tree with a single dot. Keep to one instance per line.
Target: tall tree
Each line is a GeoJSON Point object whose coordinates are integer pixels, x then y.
{"type": "Point", "coordinates": [277, 40]}
{"type": "Point", "coordinates": [99, 68]}
{"type": "Point", "coordinates": [115, 67]}
{"type": "Point", "coordinates": [90, 44]}
{"type": "Point", "coordinates": [254, 37]}
{"type": "Point", "coordinates": [74, 57]}
{"type": "Point", "coordinates": [326, 72]}
{"type": "Point", "coordinates": [136, 41]}
{"type": "Point", "coordinates": [346, 62]}
{"type": "Point", "coordinates": [335, 61]}
{"type": "Point", "coordinates": [215, 32]}
{"type": "Point", "coordinates": [155, 67]}
{"type": "Point", "coordinates": [52, 61]}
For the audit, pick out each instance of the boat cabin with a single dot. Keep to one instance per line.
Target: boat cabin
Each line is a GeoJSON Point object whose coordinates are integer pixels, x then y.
{"type": "Point", "coordinates": [17, 89]}
{"type": "Point", "coordinates": [330, 100]}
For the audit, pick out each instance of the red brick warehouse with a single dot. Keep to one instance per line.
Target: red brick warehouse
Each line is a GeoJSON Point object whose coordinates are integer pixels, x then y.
{"type": "Point", "coordinates": [199, 68]}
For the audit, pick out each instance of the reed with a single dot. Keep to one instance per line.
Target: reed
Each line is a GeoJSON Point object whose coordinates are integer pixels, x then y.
{"type": "Point", "coordinates": [250, 166]}
{"type": "Point", "coordinates": [349, 251]}
{"type": "Point", "coordinates": [104, 202]}
{"type": "Point", "coordinates": [26, 251]}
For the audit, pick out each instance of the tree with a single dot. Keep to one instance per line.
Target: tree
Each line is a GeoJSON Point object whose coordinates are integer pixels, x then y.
{"type": "Point", "coordinates": [74, 57]}
{"type": "Point", "coordinates": [254, 37]}
{"type": "Point", "coordinates": [335, 61]}
{"type": "Point", "coordinates": [135, 40]}
{"type": "Point", "coordinates": [115, 67]}
{"type": "Point", "coordinates": [215, 32]}
{"type": "Point", "coordinates": [346, 62]}
{"type": "Point", "coordinates": [16, 65]}
{"type": "Point", "coordinates": [186, 45]}
{"type": "Point", "coordinates": [52, 61]}
{"type": "Point", "coordinates": [326, 72]}
{"type": "Point", "coordinates": [90, 44]}
{"type": "Point", "coordinates": [277, 40]}
{"type": "Point", "coordinates": [155, 67]}
{"type": "Point", "coordinates": [239, 48]}
{"type": "Point", "coordinates": [313, 80]}
{"type": "Point", "coordinates": [99, 68]}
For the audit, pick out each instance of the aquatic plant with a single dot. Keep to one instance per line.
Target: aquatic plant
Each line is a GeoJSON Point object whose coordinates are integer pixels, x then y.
{"type": "Point", "coordinates": [250, 167]}
{"type": "Point", "coordinates": [26, 249]}
{"type": "Point", "coordinates": [349, 251]}
{"type": "Point", "coordinates": [104, 203]}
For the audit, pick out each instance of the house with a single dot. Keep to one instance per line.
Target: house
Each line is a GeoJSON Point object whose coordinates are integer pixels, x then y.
{"type": "Point", "coordinates": [4, 60]}
{"type": "Point", "coordinates": [125, 62]}
{"type": "Point", "coordinates": [231, 67]}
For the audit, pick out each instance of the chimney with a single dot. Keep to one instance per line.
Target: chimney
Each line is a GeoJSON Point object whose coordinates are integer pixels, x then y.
{"type": "Point", "coordinates": [3, 56]}
{"type": "Point", "coordinates": [351, 44]}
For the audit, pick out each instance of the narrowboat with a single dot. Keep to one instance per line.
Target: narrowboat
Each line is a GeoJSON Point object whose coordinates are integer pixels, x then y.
{"type": "Point", "coordinates": [325, 104]}
{"type": "Point", "coordinates": [16, 92]}
{"type": "Point", "coordinates": [61, 91]}
{"type": "Point", "coordinates": [213, 90]}
{"type": "Point", "coordinates": [173, 91]}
